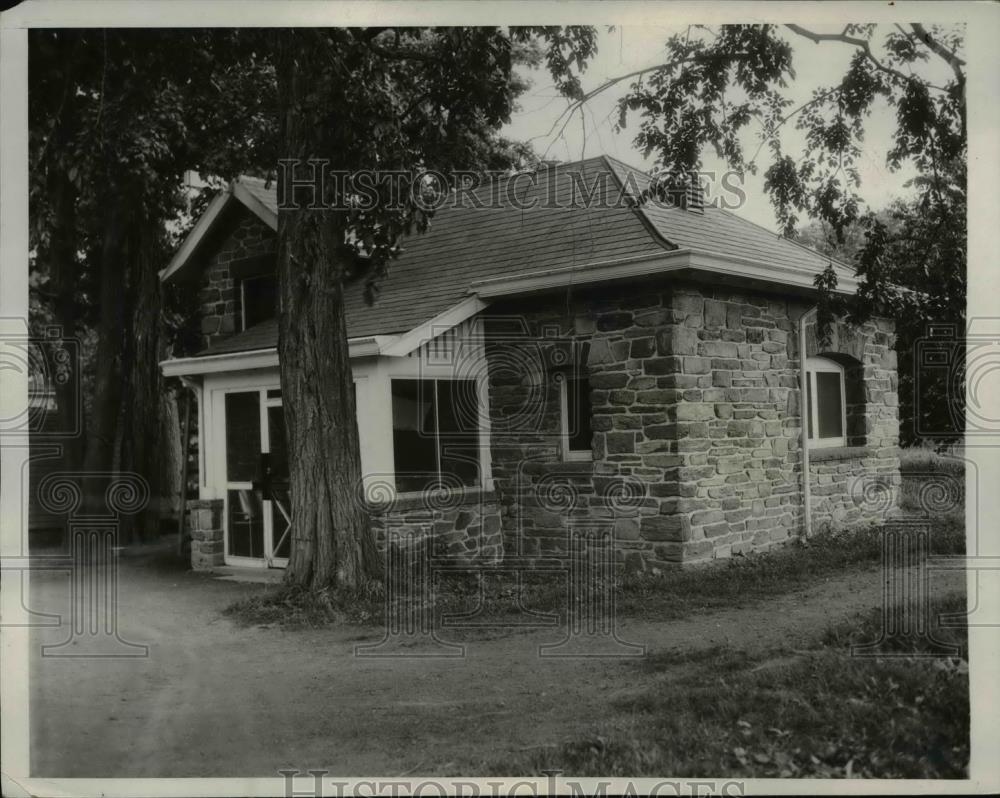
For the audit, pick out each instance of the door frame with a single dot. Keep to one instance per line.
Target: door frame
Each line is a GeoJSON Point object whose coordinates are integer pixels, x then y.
{"type": "Point", "coordinates": [259, 384]}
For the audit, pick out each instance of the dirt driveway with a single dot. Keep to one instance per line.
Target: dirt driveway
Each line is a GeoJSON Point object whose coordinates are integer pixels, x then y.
{"type": "Point", "coordinates": [213, 699]}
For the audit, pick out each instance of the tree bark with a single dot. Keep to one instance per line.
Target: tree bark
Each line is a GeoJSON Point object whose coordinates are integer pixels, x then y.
{"type": "Point", "coordinates": [332, 543]}
{"type": "Point", "coordinates": [171, 456]}
{"type": "Point", "coordinates": [64, 271]}
{"type": "Point", "coordinates": [101, 427]}
{"type": "Point", "coordinates": [141, 377]}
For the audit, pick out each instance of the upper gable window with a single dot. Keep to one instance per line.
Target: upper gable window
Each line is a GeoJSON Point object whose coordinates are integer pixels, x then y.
{"type": "Point", "coordinates": [258, 299]}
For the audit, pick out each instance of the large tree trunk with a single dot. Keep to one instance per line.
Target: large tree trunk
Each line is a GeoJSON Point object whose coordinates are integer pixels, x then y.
{"type": "Point", "coordinates": [332, 542]}
{"type": "Point", "coordinates": [103, 421]}
{"type": "Point", "coordinates": [141, 377]}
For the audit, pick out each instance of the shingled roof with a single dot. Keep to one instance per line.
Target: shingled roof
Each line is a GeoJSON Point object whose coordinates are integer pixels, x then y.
{"type": "Point", "coordinates": [534, 227]}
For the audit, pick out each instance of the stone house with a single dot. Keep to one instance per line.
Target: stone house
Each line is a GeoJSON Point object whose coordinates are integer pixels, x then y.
{"type": "Point", "coordinates": [550, 357]}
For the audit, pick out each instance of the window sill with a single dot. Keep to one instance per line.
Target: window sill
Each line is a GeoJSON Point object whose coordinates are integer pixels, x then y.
{"type": "Point", "coordinates": [560, 467]}
{"type": "Point", "coordinates": [838, 453]}
{"type": "Point", "coordinates": [417, 500]}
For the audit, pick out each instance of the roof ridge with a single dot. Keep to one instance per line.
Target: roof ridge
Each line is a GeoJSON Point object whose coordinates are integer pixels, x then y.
{"type": "Point", "coordinates": [629, 166]}
{"type": "Point", "coordinates": [639, 207]}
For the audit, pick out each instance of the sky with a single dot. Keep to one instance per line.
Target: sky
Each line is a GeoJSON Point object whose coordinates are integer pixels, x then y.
{"type": "Point", "coordinates": [629, 48]}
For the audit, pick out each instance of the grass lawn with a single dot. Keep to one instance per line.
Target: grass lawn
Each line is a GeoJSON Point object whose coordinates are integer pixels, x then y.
{"type": "Point", "coordinates": [667, 596]}
{"type": "Point", "coordinates": [817, 712]}
{"type": "Point", "coordinates": [814, 710]}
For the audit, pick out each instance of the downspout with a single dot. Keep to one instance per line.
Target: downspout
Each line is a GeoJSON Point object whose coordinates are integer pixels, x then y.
{"type": "Point", "coordinates": [804, 423]}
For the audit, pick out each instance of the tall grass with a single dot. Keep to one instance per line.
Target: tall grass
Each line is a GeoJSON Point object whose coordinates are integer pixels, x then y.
{"type": "Point", "coordinates": [932, 480]}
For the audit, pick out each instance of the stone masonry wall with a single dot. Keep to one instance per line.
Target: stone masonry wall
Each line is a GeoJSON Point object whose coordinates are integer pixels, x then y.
{"type": "Point", "coordinates": [859, 483]}
{"type": "Point", "coordinates": [462, 525]}
{"type": "Point", "coordinates": [696, 423]}
{"type": "Point", "coordinates": [205, 524]}
{"type": "Point", "coordinates": [219, 297]}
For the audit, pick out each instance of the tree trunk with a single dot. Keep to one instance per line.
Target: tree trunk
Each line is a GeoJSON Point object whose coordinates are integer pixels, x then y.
{"type": "Point", "coordinates": [171, 456]}
{"type": "Point", "coordinates": [332, 542]}
{"type": "Point", "coordinates": [64, 271]}
{"type": "Point", "coordinates": [101, 427]}
{"type": "Point", "coordinates": [141, 377]}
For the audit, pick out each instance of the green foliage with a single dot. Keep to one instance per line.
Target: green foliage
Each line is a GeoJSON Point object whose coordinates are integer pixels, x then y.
{"type": "Point", "coordinates": [412, 100]}
{"type": "Point", "coordinates": [716, 84]}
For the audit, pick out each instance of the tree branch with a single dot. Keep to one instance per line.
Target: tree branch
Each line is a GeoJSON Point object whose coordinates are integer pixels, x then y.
{"type": "Point", "coordinates": [770, 134]}
{"type": "Point", "coordinates": [854, 41]}
{"type": "Point", "coordinates": [949, 57]}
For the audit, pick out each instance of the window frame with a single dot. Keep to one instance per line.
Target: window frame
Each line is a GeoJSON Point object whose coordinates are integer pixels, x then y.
{"type": "Point", "coordinates": [482, 481]}
{"type": "Point", "coordinates": [571, 455]}
{"type": "Point", "coordinates": [826, 365]}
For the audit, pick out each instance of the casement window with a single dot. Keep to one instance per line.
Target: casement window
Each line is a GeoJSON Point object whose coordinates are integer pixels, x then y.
{"type": "Point", "coordinates": [825, 402]}
{"type": "Point", "coordinates": [575, 417]}
{"type": "Point", "coordinates": [258, 299]}
{"type": "Point", "coordinates": [435, 433]}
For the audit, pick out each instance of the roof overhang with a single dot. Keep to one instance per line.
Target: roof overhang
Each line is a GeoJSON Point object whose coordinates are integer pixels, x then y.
{"type": "Point", "coordinates": [418, 336]}
{"type": "Point", "coordinates": [235, 192]}
{"type": "Point", "coordinates": [371, 346]}
{"type": "Point", "coordinates": [659, 263]}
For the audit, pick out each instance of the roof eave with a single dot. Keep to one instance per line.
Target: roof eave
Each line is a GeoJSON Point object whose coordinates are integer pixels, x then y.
{"type": "Point", "coordinates": [194, 238]}
{"type": "Point", "coordinates": [648, 266]}
{"type": "Point", "coordinates": [369, 346]}
{"type": "Point", "coordinates": [234, 191]}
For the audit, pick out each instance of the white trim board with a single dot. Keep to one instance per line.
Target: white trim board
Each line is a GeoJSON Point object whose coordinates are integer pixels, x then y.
{"type": "Point", "coordinates": [651, 265]}
{"type": "Point", "coordinates": [429, 330]}
{"type": "Point", "coordinates": [234, 191]}
{"type": "Point", "coordinates": [260, 358]}
{"type": "Point", "coordinates": [198, 232]}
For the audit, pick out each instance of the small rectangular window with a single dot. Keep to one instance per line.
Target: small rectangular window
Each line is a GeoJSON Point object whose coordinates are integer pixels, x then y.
{"type": "Point", "coordinates": [576, 430]}
{"type": "Point", "coordinates": [259, 298]}
{"type": "Point", "coordinates": [825, 402]}
{"type": "Point", "coordinates": [435, 433]}
{"type": "Point", "coordinates": [829, 409]}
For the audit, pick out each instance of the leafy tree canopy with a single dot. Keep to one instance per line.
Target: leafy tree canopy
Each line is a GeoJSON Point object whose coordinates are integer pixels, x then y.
{"type": "Point", "coordinates": [721, 87]}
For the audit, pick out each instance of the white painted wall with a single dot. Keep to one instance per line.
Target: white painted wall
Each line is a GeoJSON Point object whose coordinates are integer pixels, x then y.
{"type": "Point", "coordinates": [455, 354]}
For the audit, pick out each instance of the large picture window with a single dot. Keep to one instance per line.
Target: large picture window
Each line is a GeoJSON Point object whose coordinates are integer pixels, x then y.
{"type": "Point", "coordinates": [435, 433]}
{"type": "Point", "coordinates": [825, 402]}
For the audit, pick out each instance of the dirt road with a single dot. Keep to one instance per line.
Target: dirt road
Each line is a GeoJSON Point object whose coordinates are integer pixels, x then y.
{"type": "Point", "coordinates": [213, 699]}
